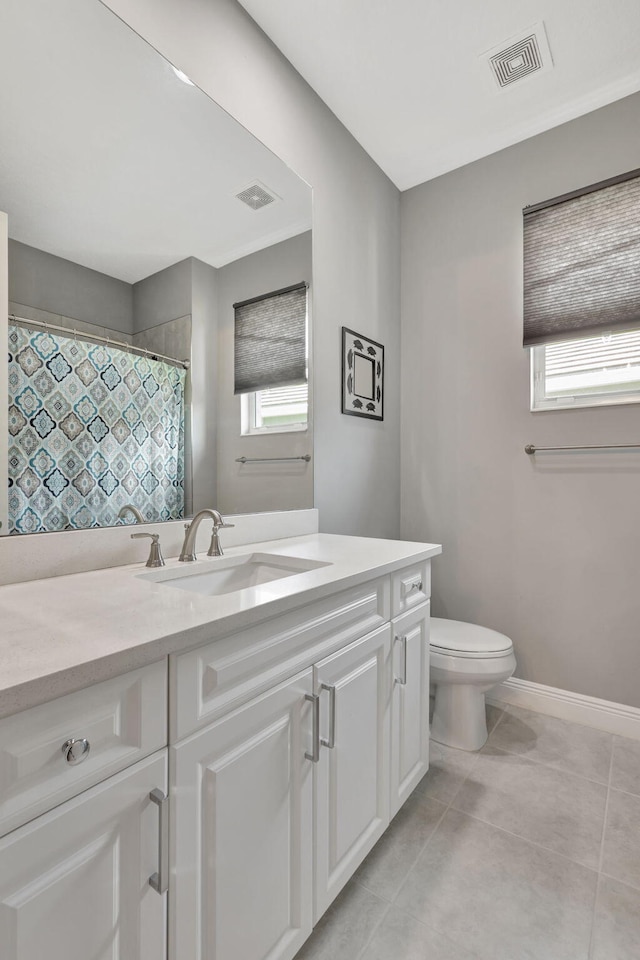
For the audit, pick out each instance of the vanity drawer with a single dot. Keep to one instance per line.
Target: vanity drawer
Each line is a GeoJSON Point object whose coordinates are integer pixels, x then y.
{"type": "Point", "coordinates": [410, 587]}
{"type": "Point", "coordinates": [211, 680]}
{"type": "Point", "coordinates": [123, 720]}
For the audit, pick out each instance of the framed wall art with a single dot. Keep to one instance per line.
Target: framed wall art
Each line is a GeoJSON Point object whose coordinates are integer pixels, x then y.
{"type": "Point", "coordinates": [362, 376]}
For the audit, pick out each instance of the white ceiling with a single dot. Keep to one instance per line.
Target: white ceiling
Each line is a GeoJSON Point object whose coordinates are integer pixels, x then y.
{"type": "Point", "coordinates": [404, 76]}
{"type": "Point", "coordinates": [109, 160]}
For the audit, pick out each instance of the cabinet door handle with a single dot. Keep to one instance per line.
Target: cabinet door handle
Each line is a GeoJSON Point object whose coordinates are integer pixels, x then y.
{"type": "Point", "coordinates": [416, 585]}
{"type": "Point", "coordinates": [160, 880]}
{"type": "Point", "coordinates": [314, 700]}
{"type": "Point", "coordinates": [331, 740]}
{"type": "Point", "coordinates": [402, 680]}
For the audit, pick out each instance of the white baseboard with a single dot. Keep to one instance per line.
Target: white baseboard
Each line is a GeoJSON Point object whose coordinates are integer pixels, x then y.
{"type": "Point", "coordinates": [589, 711]}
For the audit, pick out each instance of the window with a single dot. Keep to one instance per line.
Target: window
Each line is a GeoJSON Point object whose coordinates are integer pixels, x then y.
{"type": "Point", "coordinates": [278, 410]}
{"type": "Point", "coordinates": [585, 373]}
{"type": "Point", "coordinates": [582, 295]}
{"type": "Point", "coordinates": [271, 361]}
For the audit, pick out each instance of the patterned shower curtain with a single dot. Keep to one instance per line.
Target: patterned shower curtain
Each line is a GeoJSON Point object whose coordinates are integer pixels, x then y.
{"type": "Point", "coordinates": [91, 428]}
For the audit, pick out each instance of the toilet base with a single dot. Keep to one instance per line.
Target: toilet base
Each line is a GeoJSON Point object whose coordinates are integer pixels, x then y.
{"type": "Point", "coordinates": [459, 716]}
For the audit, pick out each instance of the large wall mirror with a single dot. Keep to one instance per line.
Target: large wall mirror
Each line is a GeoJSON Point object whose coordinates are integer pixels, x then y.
{"type": "Point", "coordinates": [143, 221]}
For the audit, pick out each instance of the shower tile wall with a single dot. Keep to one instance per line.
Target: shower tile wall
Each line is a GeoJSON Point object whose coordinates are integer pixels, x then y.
{"type": "Point", "coordinates": [173, 338]}
{"type": "Point", "coordinates": [33, 313]}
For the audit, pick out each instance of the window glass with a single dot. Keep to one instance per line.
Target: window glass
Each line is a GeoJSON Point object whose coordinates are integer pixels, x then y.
{"type": "Point", "coordinates": [278, 409]}
{"type": "Point", "coordinates": [590, 372]}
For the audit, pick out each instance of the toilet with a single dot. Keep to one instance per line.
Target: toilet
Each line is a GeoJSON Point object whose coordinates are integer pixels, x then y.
{"type": "Point", "coordinates": [466, 661]}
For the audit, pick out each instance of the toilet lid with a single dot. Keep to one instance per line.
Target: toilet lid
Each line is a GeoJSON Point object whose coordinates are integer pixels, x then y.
{"type": "Point", "coordinates": [455, 636]}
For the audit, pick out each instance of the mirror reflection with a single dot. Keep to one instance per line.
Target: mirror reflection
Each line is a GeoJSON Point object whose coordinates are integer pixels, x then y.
{"type": "Point", "coordinates": [144, 224]}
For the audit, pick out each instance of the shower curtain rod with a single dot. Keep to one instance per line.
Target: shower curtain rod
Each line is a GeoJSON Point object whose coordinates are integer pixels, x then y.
{"type": "Point", "coordinates": [95, 336]}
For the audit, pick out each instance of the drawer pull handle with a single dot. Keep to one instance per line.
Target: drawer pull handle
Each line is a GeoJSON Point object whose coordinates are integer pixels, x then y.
{"type": "Point", "coordinates": [76, 751]}
{"type": "Point", "coordinates": [402, 680]}
{"type": "Point", "coordinates": [160, 880]}
{"type": "Point", "coordinates": [330, 742]}
{"type": "Point", "coordinates": [314, 756]}
{"type": "Point", "coordinates": [416, 585]}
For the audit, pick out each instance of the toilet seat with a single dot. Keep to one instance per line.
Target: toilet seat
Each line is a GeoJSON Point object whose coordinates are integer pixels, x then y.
{"type": "Point", "coordinates": [458, 639]}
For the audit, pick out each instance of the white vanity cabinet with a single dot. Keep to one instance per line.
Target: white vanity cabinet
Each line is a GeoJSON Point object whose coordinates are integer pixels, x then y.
{"type": "Point", "coordinates": [291, 744]}
{"type": "Point", "coordinates": [409, 703]}
{"type": "Point", "coordinates": [82, 785]}
{"type": "Point", "coordinates": [245, 847]}
{"type": "Point", "coordinates": [106, 728]}
{"type": "Point", "coordinates": [74, 883]}
{"type": "Point", "coordinates": [278, 798]}
{"type": "Point", "coordinates": [242, 831]}
{"type": "Point", "coordinates": [352, 774]}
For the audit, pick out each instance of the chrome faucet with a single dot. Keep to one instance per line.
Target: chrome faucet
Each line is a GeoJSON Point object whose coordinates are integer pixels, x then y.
{"type": "Point", "coordinates": [129, 508]}
{"type": "Point", "coordinates": [188, 552]}
{"type": "Point", "coordinates": [155, 553]}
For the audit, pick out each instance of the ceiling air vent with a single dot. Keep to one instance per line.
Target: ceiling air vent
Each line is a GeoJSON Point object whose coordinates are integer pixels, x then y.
{"type": "Point", "coordinates": [256, 196]}
{"type": "Point", "coordinates": [520, 56]}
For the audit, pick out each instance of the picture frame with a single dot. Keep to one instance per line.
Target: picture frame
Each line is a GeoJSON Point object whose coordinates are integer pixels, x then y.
{"type": "Point", "coordinates": [362, 376]}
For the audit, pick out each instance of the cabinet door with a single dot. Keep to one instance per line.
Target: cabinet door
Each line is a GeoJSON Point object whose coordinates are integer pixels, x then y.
{"type": "Point", "coordinates": [352, 776]}
{"type": "Point", "coordinates": [243, 811]}
{"type": "Point", "coordinates": [74, 883]}
{"type": "Point", "coordinates": [409, 704]}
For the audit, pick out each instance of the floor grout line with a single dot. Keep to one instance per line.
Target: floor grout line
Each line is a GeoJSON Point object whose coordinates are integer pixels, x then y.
{"type": "Point", "coordinates": [533, 843]}
{"type": "Point", "coordinates": [627, 793]}
{"type": "Point", "coordinates": [548, 766]}
{"type": "Point", "coordinates": [498, 721]}
{"type": "Point", "coordinates": [446, 809]}
{"type": "Point", "coordinates": [601, 857]}
{"type": "Point", "coordinates": [623, 883]}
{"type": "Point", "coordinates": [544, 763]}
{"type": "Point", "coordinates": [424, 847]}
{"type": "Point", "coordinates": [429, 926]}
{"type": "Point", "coordinates": [390, 903]}
{"type": "Point", "coordinates": [374, 927]}
{"type": "Point", "coordinates": [423, 801]}
{"type": "Point", "coordinates": [361, 883]}
{"type": "Point", "coordinates": [518, 836]}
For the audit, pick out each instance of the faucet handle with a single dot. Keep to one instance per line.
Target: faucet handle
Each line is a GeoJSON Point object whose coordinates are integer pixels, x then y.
{"type": "Point", "coordinates": [155, 553]}
{"type": "Point", "coordinates": [215, 548]}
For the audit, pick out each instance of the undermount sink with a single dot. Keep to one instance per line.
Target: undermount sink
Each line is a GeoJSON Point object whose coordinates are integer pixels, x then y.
{"type": "Point", "coordinates": [218, 576]}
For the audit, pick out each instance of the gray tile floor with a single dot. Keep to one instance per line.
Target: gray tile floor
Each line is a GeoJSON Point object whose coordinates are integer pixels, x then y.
{"type": "Point", "coordinates": [527, 850]}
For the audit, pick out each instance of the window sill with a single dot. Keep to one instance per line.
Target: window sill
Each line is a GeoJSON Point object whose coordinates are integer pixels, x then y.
{"type": "Point", "coordinates": [583, 403]}
{"type": "Point", "coordinates": [272, 431]}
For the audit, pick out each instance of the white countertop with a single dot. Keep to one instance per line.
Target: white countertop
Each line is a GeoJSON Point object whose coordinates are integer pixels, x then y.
{"type": "Point", "coordinates": [61, 634]}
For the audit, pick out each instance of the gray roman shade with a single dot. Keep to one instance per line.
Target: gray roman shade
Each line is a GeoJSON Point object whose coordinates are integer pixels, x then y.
{"type": "Point", "coordinates": [270, 340]}
{"type": "Point", "coordinates": [582, 262]}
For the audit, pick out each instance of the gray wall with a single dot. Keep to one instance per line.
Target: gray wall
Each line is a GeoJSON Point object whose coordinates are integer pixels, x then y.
{"type": "Point", "coordinates": [204, 356]}
{"type": "Point", "coordinates": [163, 296]}
{"type": "Point", "coordinates": [62, 287]}
{"type": "Point", "coordinates": [545, 550]}
{"type": "Point", "coordinates": [189, 288]}
{"type": "Point", "coordinates": [356, 237]}
{"type": "Point", "coordinates": [270, 486]}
